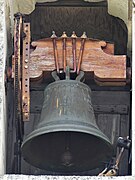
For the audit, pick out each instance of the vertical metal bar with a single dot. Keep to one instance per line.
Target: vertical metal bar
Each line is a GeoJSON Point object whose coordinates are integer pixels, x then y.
{"type": "Point", "coordinates": [74, 50]}
{"type": "Point", "coordinates": [64, 36]}
{"type": "Point", "coordinates": [64, 54]}
{"type": "Point", "coordinates": [25, 73]}
{"type": "Point", "coordinates": [55, 51]}
{"type": "Point", "coordinates": [67, 72]}
{"type": "Point", "coordinates": [17, 90]}
{"type": "Point", "coordinates": [81, 52]}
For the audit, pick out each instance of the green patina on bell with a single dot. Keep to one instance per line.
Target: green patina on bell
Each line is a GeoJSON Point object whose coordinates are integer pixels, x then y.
{"type": "Point", "coordinates": [67, 138]}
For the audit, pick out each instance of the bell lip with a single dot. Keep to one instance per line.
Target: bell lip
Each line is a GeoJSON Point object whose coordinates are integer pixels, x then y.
{"type": "Point", "coordinates": [66, 128]}
{"type": "Point", "coordinates": [96, 134]}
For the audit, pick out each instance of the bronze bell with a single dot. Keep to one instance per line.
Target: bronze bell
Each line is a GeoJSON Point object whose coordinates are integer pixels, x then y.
{"type": "Point", "coordinates": [67, 138]}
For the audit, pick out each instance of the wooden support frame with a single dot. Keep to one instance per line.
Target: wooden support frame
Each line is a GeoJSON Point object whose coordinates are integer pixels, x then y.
{"type": "Point", "coordinates": [98, 58]}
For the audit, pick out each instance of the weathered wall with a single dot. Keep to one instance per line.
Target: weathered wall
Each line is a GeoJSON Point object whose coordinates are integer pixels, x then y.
{"type": "Point", "coordinates": [123, 10]}
{"type": "Point", "coordinates": [28, 6]}
{"type": "Point", "coordinates": [2, 90]}
{"type": "Point", "coordinates": [133, 92]}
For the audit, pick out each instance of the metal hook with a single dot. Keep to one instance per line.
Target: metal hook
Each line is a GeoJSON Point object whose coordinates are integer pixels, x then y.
{"type": "Point", "coordinates": [80, 77]}
{"type": "Point", "coordinates": [55, 76]}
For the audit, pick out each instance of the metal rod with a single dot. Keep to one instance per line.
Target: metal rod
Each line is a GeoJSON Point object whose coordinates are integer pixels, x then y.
{"type": "Point", "coordinates": [55, 51]}
{"type": "Point", "coordinates": [81, 52]}
{"type": "Point", "coordinates": [74, 50]}
{"type": "Point", "coordinates": [119, 157]}
{"type": "Point", "coordinates": [64, 36]}
{"type": "Point", "coordinates": [80, 77]}
{"type": "Point", "coordinates": [54, 75]}
{"type": "Point", "coordinates": [67, 73]}
{"type": "Point", "coordinates": [17, 90]}
{"type": "Point", "coordinates": [64, 54]}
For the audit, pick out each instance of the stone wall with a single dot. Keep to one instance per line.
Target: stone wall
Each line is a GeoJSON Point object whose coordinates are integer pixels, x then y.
{"type": "Point", "coordinates": [2, 89]}
{"type": "Point", "coordinates": [123, 10]}
{"type": "Point", "coordinates": [133, 90]}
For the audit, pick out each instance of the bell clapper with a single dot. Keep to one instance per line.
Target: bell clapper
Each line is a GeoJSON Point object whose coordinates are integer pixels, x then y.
{"type": "Point", "coordinates": [67, 158]}
{"type": "Point", "coordinates": [67, 155]}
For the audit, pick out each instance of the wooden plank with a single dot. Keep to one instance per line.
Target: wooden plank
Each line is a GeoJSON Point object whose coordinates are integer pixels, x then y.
{"type": "Point", "coordinates": [106, 67]}
{"type": "Point", "coordinates": [110, 97]}
{"type": "Point", "coordinates": [111, 109]}
{"type": "Point", "coordinates": [109, 48]}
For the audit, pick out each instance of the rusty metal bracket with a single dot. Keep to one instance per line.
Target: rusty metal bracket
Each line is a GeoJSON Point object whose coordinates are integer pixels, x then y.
{"type": "Point", "coordinates": [83, 37]}
{"type": "Point", "coordinates": [55, 51]}
{"type": "Point", "coordinates": [64, 36]}
{"type": "Point", "coordinates": [25, 73]}
{"type": "Point", "coordinates": [74, 37]}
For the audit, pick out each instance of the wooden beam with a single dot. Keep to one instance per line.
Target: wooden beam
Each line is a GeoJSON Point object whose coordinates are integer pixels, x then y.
{"type": "Point", "coordinates": [98, 58]}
